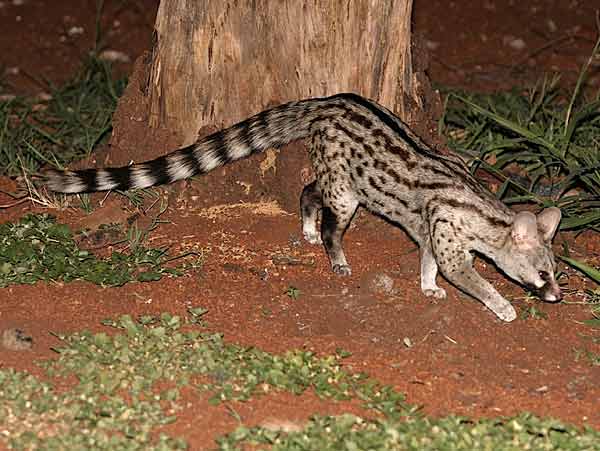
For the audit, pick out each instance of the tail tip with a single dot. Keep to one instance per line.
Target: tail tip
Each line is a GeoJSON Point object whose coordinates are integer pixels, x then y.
{"type": "Point", "coordinates": [62, 181]}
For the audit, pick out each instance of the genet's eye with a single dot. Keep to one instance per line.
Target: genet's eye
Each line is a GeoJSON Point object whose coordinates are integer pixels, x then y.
{"type": "Point", "coordinates": [544, 275]}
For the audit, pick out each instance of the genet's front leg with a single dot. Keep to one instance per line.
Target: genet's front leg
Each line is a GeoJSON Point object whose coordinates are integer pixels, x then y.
{"type": "Point", "coordinates": [463, 275]}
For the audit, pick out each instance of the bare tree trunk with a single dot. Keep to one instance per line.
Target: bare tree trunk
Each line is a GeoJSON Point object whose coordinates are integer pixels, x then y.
{"type": "Point", "coordinates": [216, 62]}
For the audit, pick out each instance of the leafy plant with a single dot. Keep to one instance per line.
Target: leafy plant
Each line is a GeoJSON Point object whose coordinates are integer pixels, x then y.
{"type": "Point", "coordinates": [350, 432]}
{"type": "Point", "coordinates": [293, 293]}
{"type": "Point", "coordinates": [533, 312]}
{"type": "Point", "coordinates": [36, 416]}
{"type": "Point", "coordinates": [37, 248]}
{"type": "Point", "coordinates": [586, 269]}
{"type": "Point", "coordinates": [590, 356]}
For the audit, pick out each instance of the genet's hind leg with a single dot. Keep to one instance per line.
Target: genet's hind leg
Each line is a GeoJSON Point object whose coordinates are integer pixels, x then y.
{"type": "Point", "coordinates": [336, 218]}
{"type": "Point", "coordinates": [429, 270]}
{"type": "Point", "coordinates": [310, 205]}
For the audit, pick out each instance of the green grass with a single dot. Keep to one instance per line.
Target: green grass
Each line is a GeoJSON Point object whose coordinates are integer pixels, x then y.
{"type": "Point", "coordinates": [38, 249]}
{"type": "Point", "coordinates": [591, 357]}
{"type": "Point", "coordinates": [75, 119]}
{"type": "Point", "coordinates": [532, 312]}
{"type": "Point", "coordinates": [593, 299]}
{"type": "Point", "coordinates": [115, 402]}
{"type": "Point", "coordinates": [293, 293]}
{"type": "Point", "coordinates": [550, 139]}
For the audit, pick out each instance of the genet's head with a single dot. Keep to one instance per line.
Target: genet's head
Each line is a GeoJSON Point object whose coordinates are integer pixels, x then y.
{"type": "Point", "coordinates": [528, 256]}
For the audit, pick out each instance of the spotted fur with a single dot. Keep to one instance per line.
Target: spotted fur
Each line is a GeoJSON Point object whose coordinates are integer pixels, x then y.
{"type": "Point", "coordinates": [362, 154]}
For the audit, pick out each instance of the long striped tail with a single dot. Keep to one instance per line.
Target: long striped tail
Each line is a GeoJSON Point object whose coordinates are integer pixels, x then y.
{"type": "Point", "coordinates": [271, 128]}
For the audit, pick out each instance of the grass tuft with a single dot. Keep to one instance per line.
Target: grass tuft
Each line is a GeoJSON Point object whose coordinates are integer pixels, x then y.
{"type": "Point", "coordinates": [63, 126]}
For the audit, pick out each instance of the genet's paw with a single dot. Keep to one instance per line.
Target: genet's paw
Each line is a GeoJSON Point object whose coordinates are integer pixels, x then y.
{"type": "Point", "coordinates": [438, 293]}
{"type": "Point", "coordinates": [312, 237]}
{"type": "Point", "coordinates": [505, 312]}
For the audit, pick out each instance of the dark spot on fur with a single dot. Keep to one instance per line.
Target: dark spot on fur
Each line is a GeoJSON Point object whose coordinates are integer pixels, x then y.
{"type": "Point", "coordinates": [400, 152]}
{"type": "Point", "coordinates": [373, 183]}
{"type": "Point", "coordinates": [353, 136]}
{"type": "Point", "coordinates": [354, 116]}
{"type": "Point", "coordinates": [382, 165]}
{"type": "Point", "coordinates": [396, 177]}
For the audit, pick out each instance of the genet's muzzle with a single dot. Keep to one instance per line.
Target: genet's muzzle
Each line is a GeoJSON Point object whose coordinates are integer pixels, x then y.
{"type": "Point", "coordinates": [550, 292]}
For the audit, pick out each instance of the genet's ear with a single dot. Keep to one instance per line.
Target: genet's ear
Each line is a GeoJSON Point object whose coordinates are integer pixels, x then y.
{"type": "Point", "coordinates": [525, 230]}
{"type": "Point", "coordinates": [548, 221]}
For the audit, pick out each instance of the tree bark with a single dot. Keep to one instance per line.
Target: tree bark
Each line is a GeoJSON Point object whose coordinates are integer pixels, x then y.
{"type": "Point", "coordinates": [217, 62]}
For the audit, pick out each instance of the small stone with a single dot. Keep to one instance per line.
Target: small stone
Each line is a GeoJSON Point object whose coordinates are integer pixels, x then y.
{"type": "Point", "coordinates": [513, 42]}
{"type": "Point", "coordinates": [114, 56]}
{"type": "Point", "coordinates": [75, 31]}
{"type": "Point", "coordinates": [44, 97]}
{"type": "Point", "coordinates": [282, 425]}
{"type": "Point", "coordinates": [16, 340]}
{"type": "Point", "coordinates": [378, 283]}
{"type": "Point", "coordinates": [431, 45]}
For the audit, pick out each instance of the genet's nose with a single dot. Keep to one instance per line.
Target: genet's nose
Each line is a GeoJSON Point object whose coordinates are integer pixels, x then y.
{"type": "Point", "coordinates": [551, 293]}
{"type": "Point", "coordinates": [558, 295]}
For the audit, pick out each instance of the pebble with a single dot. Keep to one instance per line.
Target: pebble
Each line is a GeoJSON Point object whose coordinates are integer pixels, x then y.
{"type": "Point", "coordinates": [380, 283]}
{"type": "Point", "coordinates": [517, 44]}
{"type": "Point", "coordinates": [16, 340]}
{"type": "Point", "coordinates": [114, 56]}
{"type": "Point", "coordinates": [431, 45]}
